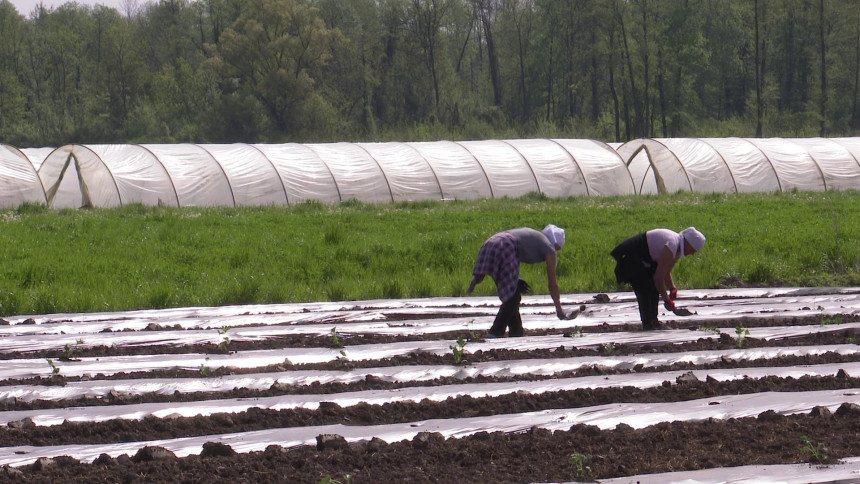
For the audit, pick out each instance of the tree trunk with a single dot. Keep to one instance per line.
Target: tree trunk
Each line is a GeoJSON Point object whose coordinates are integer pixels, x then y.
{"type": "Point", "coordinates": [759, 72]}
{"type": "Point", "coordinates": [823, 131]}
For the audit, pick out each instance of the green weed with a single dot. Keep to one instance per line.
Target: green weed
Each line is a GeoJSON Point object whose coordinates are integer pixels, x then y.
{"type": "Point", "coordinates": [812, 451]}
{"type": "Point", "coordinates": [577, 460]}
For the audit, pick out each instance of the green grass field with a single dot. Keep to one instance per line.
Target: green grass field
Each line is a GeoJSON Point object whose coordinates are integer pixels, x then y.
{"type": "Point", "coordinates": [138, 257]}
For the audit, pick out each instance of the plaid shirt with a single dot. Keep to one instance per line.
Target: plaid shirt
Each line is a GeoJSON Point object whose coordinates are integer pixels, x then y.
{"type": "Point", "coordinates": [498, 257]}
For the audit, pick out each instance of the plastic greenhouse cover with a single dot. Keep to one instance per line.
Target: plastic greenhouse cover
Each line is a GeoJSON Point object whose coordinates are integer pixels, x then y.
{"type": "Point", "coordinates": [830, 157]}
{"type": "Point", "coordinates": [302, 173]}
{"type": "Point", "coordinates": [261, 381]}
{"type": "Point", "coordinates": [253, 178]}
{"type": "Point", "coordinates": [357, 175]}
{"type": "Point", "coordinates": [409, 176]}
{"type": "Point", "coordinates": [460, 175]}
{"type": "Point", "coordinates": [507, 171]}
{"type": "Point", "coordinates": [793, 165]}
{"type": "Point", "coordinates": [752, 171]}
{"type": "Point", "coordinates": [199, 180]}
{"type": "Point", "coordinates": [702, 165]}
{"type": "Point", "coordinates": [556, 172]}
{"type": "Point", "coordinates": [19, 182]}
{"type": "Point", "coordinates": [604, 170]}
{"type": "Point", "coordinates": [603, 416]}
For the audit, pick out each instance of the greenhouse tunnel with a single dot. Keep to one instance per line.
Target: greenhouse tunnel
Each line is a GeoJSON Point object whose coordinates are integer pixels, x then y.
{"type": "Point", "coordinates": [229, 175]}
{"type": "Point", "coordinates": [742, 165]}
{"type": "Point", "coordinates": [285, 174]}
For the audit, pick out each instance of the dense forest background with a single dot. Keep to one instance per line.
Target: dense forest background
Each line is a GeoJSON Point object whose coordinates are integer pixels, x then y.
{"type": "Point", "coordinates": [376, 70]}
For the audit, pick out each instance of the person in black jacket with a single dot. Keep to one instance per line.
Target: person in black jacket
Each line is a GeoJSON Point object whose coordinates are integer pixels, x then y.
{"type": "Point", "coordinates": [645, 261]}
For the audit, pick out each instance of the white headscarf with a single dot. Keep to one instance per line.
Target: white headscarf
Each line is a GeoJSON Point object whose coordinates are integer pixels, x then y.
{"type": "Point", "coordinates": [555, 235]}
{"type": "Point", "coordinates": [695, 238]}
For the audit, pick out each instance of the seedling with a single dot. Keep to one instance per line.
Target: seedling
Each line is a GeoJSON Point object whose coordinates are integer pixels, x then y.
{"type": "Point", "coordinates": [342, 360]}
{"type": "Point", "coordinates": [204, 368]}
{"type": "Point", "coordinates": [712, 329]}
{"type": "Point", "coordinates": [578, 461]}
{"type": "Point", "coordinates": [826, 320]}
{"type": "Point", "coordinates": [335, 341]}
{"type": "Point", "coordinates": [70, 353]}
{"type": "Point", "coordinates": [742, 334]}
{"type": "Point", "coordinates": [55, 371]}
{"type": "Point", "coordinates": [608, 348]}
{"type": "Point", "coordinates": [812, 451]}
{"type": "Point", "coordinates": [458, 351]}
{"type": "Point", "coordinates": [225, 340]}
{"type": "Point", "coordinates": [576, 331]}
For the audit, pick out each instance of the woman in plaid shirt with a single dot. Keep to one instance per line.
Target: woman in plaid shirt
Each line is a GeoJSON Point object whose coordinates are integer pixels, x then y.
{"type": "Point", "coordinates": [500, 257]}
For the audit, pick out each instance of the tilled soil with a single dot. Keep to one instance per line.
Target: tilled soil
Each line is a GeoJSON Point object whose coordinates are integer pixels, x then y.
{"type": "Point", "coordinates": [582, 453]}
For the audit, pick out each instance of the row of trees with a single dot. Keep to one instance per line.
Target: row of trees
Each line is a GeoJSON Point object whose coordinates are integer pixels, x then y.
{"type": "Point", "coordinates": [330, 70]}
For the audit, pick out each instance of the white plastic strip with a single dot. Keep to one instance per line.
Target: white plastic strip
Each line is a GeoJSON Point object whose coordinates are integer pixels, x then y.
{"type": "Point", "coordinates": [28, 368]}
{"type": "Point", "coordinates": [411, 394]}
{"type": "Point", "coordinates": [419, 373]}
{"type": "Point", "coordinates": [603, 416]}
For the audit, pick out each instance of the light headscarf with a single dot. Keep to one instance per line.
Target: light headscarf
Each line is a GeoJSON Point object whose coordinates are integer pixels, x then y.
{"type": "Point", "coordinates": [695, 238]}
{"type": "Point", "coordinates": [554, 234]}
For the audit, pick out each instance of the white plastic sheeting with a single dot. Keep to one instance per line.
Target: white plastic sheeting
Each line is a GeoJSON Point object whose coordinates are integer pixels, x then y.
{"type": "Point", "coordinates": [281, 174]}
{"type": "Point", "coordinates": [19, 182]}
{"type": "Point", "coordinates": [254, 322]}
{"type": "Point", "coordinates": [637, 415]}
{"type": "Point", "coordinates": [427, 373]}
{"type": "Point", "coordinates": [286, 174]}
{"type": "Point", "coordinates": [667, 165]}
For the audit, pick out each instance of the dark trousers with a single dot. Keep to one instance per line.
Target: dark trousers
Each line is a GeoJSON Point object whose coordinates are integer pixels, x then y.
{"type": "Point", "coordinates": [509, 314]}
{"type": "Point", "coordinates": [635, 266]}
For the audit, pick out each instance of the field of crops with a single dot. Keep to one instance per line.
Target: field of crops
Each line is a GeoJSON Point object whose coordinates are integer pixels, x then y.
{"type": "Point", "coordinates": [759, 382]}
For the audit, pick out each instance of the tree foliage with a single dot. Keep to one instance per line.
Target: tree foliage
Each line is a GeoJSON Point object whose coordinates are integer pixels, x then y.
{"type": "Point", "coordinates": [329, 70]}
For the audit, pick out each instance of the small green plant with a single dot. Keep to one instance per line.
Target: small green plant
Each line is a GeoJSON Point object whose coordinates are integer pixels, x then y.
{"type": "Point", "coordinates": [204, 369]}
{"type": "Point", "coordinates": [851, 340]}
{"type": "Point", "coordinates": [812, 451]}
{"type": "Point", "coordinates": [458, 350]}
{"type": "Point", "coordinates": [710, 329]}
{"type": "Point", "coordinates": [70, 353]}
{"type": "Point", "coordinates": [55, 370]}
{"type": "Point", "coordinates": [578, 461]}
{"type": "Point", "coordinates": [608, 348]}
{"type": "Point", "coordinates": [473, 336]}
{"type": "Point", "coordinates": [342, 359]}
{"type": "Point", "coordinates": [225, 340]}
{"type": "Point", "coordinates": [826, 320]}
{"type": "Point", "coordinates": [742, 334]}
{"type": "Point", "coordinates": [574, 332]}
{"type": "Point", "coordinates": [335, 341]}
